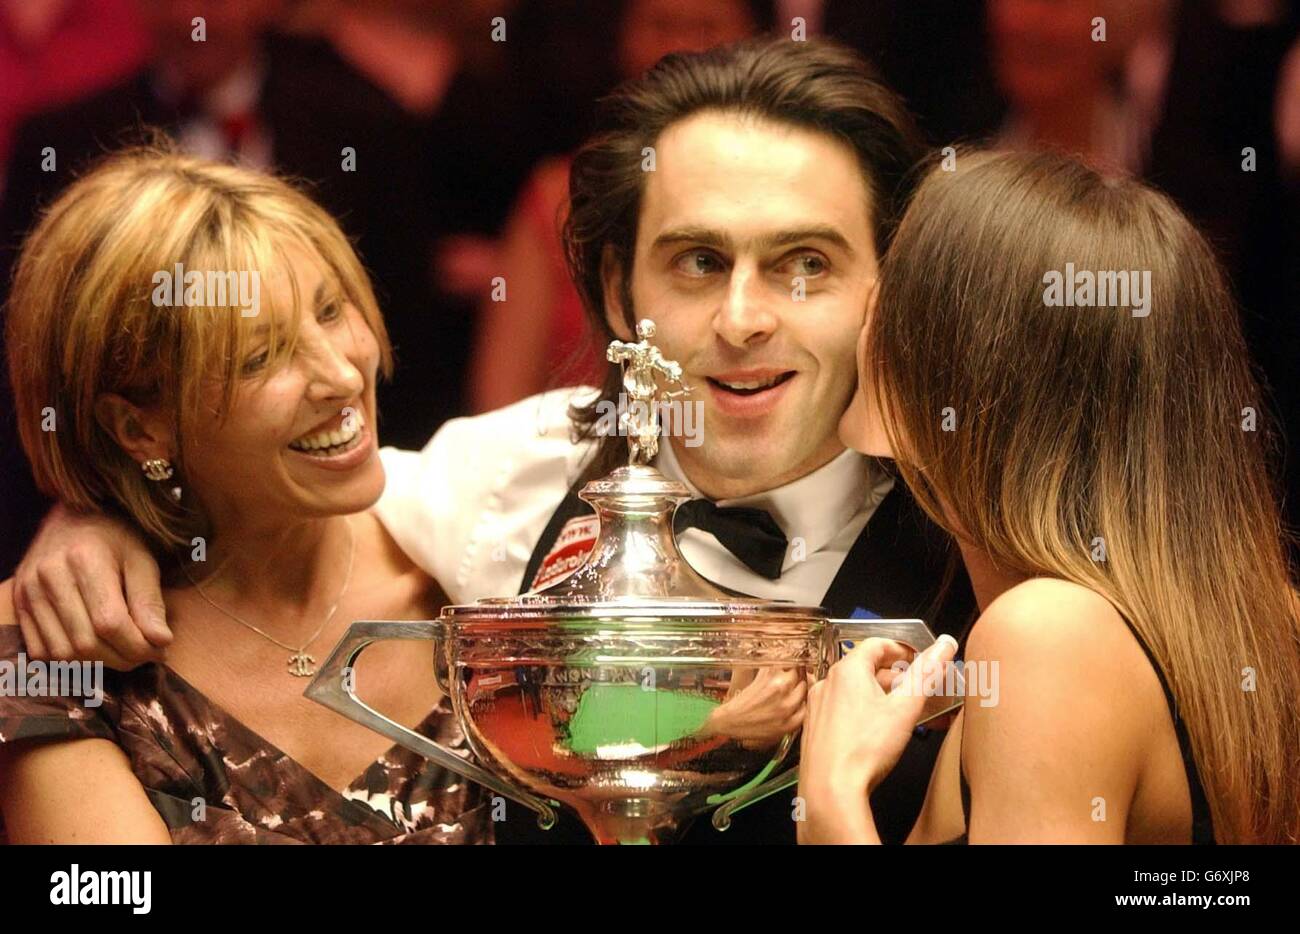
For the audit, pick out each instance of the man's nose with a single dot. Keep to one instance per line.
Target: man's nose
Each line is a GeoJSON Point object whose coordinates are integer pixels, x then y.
{"type": "Point", "coordinates": [747, 314]}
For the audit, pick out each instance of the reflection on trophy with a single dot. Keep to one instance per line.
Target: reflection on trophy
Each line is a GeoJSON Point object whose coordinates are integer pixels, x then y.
{"type": "Point", "coordinates": [634, 691]}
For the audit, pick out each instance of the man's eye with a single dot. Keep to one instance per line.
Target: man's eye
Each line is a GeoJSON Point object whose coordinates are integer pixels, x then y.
{"type": "Point", "coordinates": [807, 265]}
{"type": "Point", "coordinates": [698, 263]}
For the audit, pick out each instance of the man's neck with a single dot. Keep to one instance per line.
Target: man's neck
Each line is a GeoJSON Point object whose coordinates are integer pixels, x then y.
{"type": "Point", "coordinates": [1067, 125]}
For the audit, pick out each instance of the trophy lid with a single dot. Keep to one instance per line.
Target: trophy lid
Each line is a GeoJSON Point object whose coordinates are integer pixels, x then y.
{"type": "Point", "coordinates": [635, 570]}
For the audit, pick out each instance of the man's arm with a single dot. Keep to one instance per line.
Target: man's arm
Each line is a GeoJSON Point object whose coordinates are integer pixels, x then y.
{"type": "Point", "coordinates": [469, 507]}
{"type": "Point", "coordinates": [88, 588]}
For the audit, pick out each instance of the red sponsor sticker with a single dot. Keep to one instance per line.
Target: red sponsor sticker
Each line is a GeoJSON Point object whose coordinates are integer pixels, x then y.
{"type": "Point", "coordinates": [569, 551]}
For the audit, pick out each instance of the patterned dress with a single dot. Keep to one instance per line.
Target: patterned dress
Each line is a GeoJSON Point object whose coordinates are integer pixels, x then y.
{"type": "Point", "coordinates": [214, 780]}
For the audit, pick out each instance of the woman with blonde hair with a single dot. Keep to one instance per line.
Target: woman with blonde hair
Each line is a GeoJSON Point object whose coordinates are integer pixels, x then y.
{"type": "Point", "coordinates": [1099, 453]}
{"type": "Point", "coordinates": [194, 347]}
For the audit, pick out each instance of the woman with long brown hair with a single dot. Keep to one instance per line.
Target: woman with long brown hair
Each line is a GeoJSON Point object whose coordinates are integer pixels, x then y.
{"type": "Point", "coordinates": [1055, 362]}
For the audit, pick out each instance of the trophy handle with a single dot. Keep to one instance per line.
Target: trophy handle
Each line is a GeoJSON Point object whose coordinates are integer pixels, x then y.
{"type": "Point", "coordinates": [914, 634]}
{"type": "Point", "coordinates": [334, 688]}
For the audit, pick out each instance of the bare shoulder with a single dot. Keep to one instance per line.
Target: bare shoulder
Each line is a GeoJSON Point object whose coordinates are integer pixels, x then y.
{"type": "Point", "coordinates": [1045, 619]}
{"type": "Point", "coordinates": [7, 617]}
{"type": "Point", "coordinates": [1067, 723]}
{"type": "Point", "coordinates": [1067, 657]}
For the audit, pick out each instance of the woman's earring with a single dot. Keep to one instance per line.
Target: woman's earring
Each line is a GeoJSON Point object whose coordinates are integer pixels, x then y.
{"type": "Point", "coordinates": [159, 468]}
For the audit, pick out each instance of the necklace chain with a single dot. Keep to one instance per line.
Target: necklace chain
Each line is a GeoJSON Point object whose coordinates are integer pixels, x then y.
{"type": "Point", "coordinates": [300, 663]}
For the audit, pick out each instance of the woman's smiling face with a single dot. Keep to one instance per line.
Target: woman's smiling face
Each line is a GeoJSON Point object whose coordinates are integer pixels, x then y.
{"type": "Point", "coordinates": [299, 438]}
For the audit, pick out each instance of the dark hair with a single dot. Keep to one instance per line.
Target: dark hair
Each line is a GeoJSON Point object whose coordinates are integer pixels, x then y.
{"type": "Point", "coordinates": [816, 84]}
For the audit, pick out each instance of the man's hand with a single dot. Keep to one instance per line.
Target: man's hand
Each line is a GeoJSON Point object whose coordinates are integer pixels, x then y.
{"type": "Point", "coordinates": [763, 705]}
{"type": "Point", "coordinates": [88, 589]}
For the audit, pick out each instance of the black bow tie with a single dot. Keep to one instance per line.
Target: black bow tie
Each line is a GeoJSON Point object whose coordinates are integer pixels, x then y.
{"type": "Point", "coordinates": [752, 535]}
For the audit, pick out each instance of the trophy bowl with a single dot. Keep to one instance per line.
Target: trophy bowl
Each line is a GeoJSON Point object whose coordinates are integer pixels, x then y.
{"type": "Point", "coordinates": [634, 691]}
{"type": "Point", "coordinates": [637, 718]}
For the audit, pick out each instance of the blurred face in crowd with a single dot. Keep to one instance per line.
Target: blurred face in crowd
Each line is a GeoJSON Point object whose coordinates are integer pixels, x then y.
{"type": "Point", "coordinates": [1043, 50]}
{"type": "Point", "coordinates": [653, 28]}
{"type": "Point", "coordinates": [231, 30]}
{"type": "Point", "coordinates": [755, 257]}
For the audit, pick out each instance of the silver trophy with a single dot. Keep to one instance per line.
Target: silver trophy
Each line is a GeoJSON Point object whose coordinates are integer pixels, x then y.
{"type": "Point", "coordinates": [633, 691]}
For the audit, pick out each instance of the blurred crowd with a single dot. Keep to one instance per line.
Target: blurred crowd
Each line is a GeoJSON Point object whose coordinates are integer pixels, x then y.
{"type": "Point", "coordinates": [460, 116]}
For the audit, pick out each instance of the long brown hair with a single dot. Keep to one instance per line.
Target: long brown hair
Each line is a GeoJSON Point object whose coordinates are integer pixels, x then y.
{"type": "Point", "coordinates": [816, 85]}
{"type": "Point", "coordinates": [1045, 434]}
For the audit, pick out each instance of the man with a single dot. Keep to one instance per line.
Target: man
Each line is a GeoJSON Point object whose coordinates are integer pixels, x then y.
{"type": "Point", "coordinates": [739, 198]}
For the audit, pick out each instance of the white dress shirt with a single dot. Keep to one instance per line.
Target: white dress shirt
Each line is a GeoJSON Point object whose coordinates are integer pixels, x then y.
{"type": "Point", "coordinates": [470, 508]}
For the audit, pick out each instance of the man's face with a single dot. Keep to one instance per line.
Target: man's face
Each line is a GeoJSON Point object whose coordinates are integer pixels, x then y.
{"type": "Point", "coordinates": [232, 30]}
{"type": "Point", "coordinates": [755, 257]}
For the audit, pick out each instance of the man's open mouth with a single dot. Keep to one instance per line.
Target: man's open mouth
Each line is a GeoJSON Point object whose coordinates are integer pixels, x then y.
{"type": "Point", "coordinates": [750, 387]}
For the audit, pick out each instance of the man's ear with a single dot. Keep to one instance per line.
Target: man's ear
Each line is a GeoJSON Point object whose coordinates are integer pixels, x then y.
{"type": "Point", "coordinates": [143, 433]}
{"type": "Point", "coordinates": [611, 280]}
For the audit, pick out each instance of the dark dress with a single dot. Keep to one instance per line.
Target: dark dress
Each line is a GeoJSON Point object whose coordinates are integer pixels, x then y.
{"type": "Point", "coordinates": [214, 780]}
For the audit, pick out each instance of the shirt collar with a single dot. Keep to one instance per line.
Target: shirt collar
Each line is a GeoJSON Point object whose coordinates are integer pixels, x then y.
{"type": "Point", "coordinates": [817, 506]}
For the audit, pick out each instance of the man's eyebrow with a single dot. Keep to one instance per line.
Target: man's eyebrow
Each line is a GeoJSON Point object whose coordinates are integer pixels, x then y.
{"type": "Point", "coordinates": [706, 236]}
{"type": "Point", "coordinates": [813, 232]}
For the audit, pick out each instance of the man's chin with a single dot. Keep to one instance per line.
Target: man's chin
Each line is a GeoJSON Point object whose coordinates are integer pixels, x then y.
{"type": "Point", "coordinates": [736, 469]}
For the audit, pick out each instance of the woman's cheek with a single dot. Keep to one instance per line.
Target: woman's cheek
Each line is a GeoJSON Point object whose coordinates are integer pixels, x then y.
{"type": "Point", "coordinates": [853, 423]}
{"type": "Point", "coordinates": [861, 427]}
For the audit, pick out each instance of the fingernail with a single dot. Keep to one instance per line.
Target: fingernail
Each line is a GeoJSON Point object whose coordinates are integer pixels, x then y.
{"type": "Point", "coordinates": [949, 639]}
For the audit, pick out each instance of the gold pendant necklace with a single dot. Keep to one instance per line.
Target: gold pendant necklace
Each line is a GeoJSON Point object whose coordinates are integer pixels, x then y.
{"type": "Point", "coordinates": [301, 665]}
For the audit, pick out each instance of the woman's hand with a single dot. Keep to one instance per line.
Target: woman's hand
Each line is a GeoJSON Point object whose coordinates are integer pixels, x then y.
{"type": "Point", "coordinates": [859, 718]}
